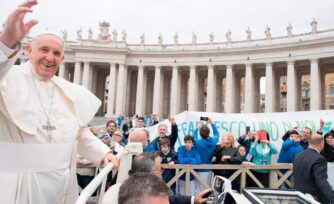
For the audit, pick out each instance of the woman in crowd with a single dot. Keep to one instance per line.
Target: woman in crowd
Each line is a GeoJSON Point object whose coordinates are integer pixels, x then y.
{"type": "Point", "coordinates": [262, 150]}
{"type": "Point", "coordinates": [328, 151]}
{"type": "Point", "coordinates": [227, 153]}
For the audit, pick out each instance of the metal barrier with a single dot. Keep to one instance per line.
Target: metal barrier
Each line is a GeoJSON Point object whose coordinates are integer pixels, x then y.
{"type": "Point", "coordinates": [242, 170]}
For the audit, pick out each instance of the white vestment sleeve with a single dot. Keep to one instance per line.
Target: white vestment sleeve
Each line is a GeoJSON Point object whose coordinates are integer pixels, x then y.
{"type": "Point", "coordinates": [5, 63]}
{"type": "Point", "coordinates": [90, 147]}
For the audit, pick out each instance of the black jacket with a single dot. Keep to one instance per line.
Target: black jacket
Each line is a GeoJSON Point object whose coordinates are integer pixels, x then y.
{"type": "Point", "coordinates": [172, 138]}
{"type": "Point", "coordinates": [310, 174]}
{"type": "Point", "coordinates": [179, 199]}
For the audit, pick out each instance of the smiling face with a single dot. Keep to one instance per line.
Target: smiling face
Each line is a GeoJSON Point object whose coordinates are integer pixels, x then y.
{"type": "Point", "coordinates": [45, 53]}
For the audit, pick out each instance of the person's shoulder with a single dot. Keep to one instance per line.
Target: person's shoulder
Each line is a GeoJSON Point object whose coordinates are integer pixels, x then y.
{"type": "Point", "coordinates": [179, 199]}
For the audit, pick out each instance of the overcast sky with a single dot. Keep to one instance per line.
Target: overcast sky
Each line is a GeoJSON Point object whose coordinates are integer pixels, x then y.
{"type": "Point", "coordinates": [182, 16]}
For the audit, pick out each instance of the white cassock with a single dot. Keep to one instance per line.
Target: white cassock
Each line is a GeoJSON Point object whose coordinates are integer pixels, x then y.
{"type": "Point", "coordinates": [34, 167]}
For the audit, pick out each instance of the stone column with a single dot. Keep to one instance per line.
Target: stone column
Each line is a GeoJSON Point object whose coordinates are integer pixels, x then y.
{"type": "Point", "coordinates": [111, 91]}
{"type": "Point", "coordinates": [249, 89]}
{"type": "Point", "coordinates": [291, 98]}
{"type": "Point", "coordinates": [77, 73]}
{"type": "Point", "coordinates": [61, 72]}
{"type": "Point", "coordinates": [211, 91]}
{"type": "Point", "coordinates": [140, 86]}
{"type": "Point", "coordinates": [174, 97]}
{"type": "Point", "coordinates": [270, 89]}
{"type": "Point", "coordinates": [120, 90]}
{"type": "Point", "coordinates": [192, 89]}
{"type": "Point", "coordinates": [315, 85]}
{"type": "Point", "coordinates": [125, 85]}
{"type": "Point", "coordinates": [229, 94]}
{"type": "Point", "coordinates": [156, 91]}
{"type": "Point", "coordinates": [85, 76]}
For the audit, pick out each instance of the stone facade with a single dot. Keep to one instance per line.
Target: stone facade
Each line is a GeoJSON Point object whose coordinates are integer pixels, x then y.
{"type": "Point", "coordinates": [215, 76]}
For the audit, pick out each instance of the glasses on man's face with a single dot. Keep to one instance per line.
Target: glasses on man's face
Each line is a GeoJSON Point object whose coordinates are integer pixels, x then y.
{"type": "Point", "coordinates": [117, 135]}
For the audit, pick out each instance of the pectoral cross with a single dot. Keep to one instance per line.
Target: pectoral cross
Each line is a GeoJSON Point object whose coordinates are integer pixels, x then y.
{"type": "Point", "coordinates": [48, 127]}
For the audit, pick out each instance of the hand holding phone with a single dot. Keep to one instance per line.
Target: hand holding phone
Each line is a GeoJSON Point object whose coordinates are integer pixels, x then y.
{"type": "Point", "coordinates": [204, 118]}
{"type": "Point", "coordinates": [247, 129]}
{"type": "Point", "coordinates": [207, 194]}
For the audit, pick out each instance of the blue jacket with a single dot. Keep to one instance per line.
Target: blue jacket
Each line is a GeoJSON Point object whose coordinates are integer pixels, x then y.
{"type": "Point", "coordinates": [149, 148]}
{"type": "Point", "coordinates": [289, 151]}
{"type": "Point", "coordinates": [206, 146]}
{"type": "Point", "coordinates": [262, 154]}
{"type": "Point", "coordinates": [188, 157]}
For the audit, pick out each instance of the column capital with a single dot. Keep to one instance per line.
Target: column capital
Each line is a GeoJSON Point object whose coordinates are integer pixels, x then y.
{"type": "Point", "coordinates": [229, 66]}
{"type": "Point", "coordinates": [249, 65]}
{"type": "Point", "coordinates": [269, 63]}
{"type": "Point", "coordinates": [290, 62]}
{"type": "Point", "coordinates": [314, 60]}
{"type": "Point", "coordinates": [211, 66]}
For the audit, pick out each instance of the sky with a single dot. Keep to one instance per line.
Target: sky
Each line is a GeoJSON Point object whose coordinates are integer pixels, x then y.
{"type": "Point", "coordinates": [183, 16]}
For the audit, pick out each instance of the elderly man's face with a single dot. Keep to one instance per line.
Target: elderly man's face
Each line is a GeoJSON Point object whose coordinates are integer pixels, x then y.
{"type": "Point", "coordinates": [162, 130]}
{"type": "Point", "coordinates": [45, 53]}
{"type": "Point", "coordinates": [117, 136]}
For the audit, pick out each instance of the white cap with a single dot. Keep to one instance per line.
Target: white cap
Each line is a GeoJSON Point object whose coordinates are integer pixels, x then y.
{"type": "Point", "coordinates": [48, 32]}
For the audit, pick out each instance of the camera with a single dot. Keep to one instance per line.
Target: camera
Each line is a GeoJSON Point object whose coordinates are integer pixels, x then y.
{"type": "Point", "coordinates": [204, 118]}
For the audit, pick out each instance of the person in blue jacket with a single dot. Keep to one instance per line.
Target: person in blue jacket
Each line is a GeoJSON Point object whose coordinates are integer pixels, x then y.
{"type": "Point", "coordinates": [290, 148]}
{"type": "Point", "coordinates": [206, 146]}
{"type": "Point", "coordinates": [188, 154]}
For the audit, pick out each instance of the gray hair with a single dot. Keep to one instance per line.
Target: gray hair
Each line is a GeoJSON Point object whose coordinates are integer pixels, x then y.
{"type": "Point", "coordinates": [140, 187]}
{"type": "Point", "coordinates": [144, 162]}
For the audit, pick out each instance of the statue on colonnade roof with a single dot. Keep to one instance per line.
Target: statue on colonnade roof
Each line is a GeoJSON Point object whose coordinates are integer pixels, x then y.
{"type": "Point", "coordinates": [142, 39]}
{"type": "Point", "coordinates": [65, 33]}
{"type": "Point", "coordinates": [176, 39]}
{"type": "Point", "coordinates": [314, 25]}
{"type": "Point", "coordinates": [114, 35]}
{"type": "Point", "coordinates": [267, 32]}
{"type": "Point", "coordinates": [79, 34]}
{"type": "Point", "coordinates": [194, 40]}
{"type": "Point", "coordinates": [229, 36]}
{"type": "Point", "coordinates": [124, 34]}
{"type": "Point", "coordinates": [249, 34]}
{"type": "Point", "coordinates": [212, 37]}
{"type": "Point", "coordinates": [289, 29]}
{"type": "Point", "coordinates": [104, 31]}
{"type": "Point", "coordinates": [90, 34]}
{"type": "Point", "coordinates": [160, 39]}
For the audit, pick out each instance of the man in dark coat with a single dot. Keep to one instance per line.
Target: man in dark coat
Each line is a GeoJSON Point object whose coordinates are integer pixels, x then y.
{"type": "Point", "coordinates": [310, 171]}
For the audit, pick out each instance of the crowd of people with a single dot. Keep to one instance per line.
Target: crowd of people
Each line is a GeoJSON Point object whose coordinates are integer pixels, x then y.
{"type": "Point", "coordinates": [39, 140]}
{"type": "Point", "coordinates": [204, 147]}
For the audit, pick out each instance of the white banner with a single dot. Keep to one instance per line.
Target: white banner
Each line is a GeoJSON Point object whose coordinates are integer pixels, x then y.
{"type": "Point", "coordinates": [275, 123]}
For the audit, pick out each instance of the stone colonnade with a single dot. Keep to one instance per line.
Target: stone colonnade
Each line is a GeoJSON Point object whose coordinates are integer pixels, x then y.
{"type": "Point", "coordinates": [171, 89]}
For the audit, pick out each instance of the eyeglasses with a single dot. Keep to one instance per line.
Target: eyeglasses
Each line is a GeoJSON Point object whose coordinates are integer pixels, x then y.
{"type": "Point", "coordinates": [117, 135]}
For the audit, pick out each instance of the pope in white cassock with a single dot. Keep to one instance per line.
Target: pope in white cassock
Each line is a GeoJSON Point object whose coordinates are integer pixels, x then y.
{"type": "Point", "coordinates": [42, 119]}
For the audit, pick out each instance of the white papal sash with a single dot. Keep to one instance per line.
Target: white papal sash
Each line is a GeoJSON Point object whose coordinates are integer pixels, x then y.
{"type": "Point", "coordinates": [34, 157]}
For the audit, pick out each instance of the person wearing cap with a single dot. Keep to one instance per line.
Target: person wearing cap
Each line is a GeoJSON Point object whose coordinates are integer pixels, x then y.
{"type": "Point", "coordinates": [43, 119]}
{"type": "Point", "coordinates": [290, 148]}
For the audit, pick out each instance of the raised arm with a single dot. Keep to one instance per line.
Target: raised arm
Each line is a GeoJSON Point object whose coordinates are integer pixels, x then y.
{"type": "Point", "coordinates": [15, 29]}
{"type": "Point", "coordinates": [174, 134]}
